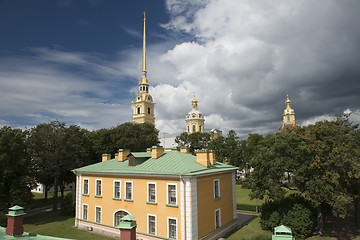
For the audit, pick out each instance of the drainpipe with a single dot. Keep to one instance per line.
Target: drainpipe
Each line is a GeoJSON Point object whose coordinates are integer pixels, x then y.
{"type": "Point", "coordinates": [184, 204]}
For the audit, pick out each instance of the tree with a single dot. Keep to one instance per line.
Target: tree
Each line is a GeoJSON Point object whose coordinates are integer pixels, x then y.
{"type": "Point", "coordinates": [16, 178]}
{"type": "Point", "coordinates": [182, 140]}
{"type": "Point", "coordinates": [323, 160]}
{"type": "Point", "coordinates": [133, 136]}
{"type": "Point", "coordinates": [198, 140]}
{"type": "Point", "coordinates": [56, 150]}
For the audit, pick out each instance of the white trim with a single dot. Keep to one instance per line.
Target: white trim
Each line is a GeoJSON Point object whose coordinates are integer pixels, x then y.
{"type": "Point", "coordinates": [177, 232]}
{"type": "Point", "coordinates": [82, 212]}
{"type": "Point", "coordinates": [191, 209]}
{"type": "Point", "coordinates": [118, 211]}
{"type": "Point", "coordinates": [96, 206]}
{"type": "Point", "coordinates": [78, 202]}
{"type": "Point", "coordinates": [216, 180]}
{"type": "Point", "coordinates": [132, 191]}
{"type": "Point", "coordinates": [115, 181]}
{"type": "Point", "coordinates": [234, 194]}
{"type": "Point", "coordinates": [182, 208]}
{"type": "Point", "coordinates": [126, 175]}
{"type": "Point", "coordinates": [147, 231]}
{"type": "Point", "coordinates": [167, 193]}
{"type": "Point", "coordinates": [83, 180]}
{"type": "Point", "coordinates": [217, 210]}
{"type": "Point", "coordinates": [96, 180]}
{"type": "Point", "coordinates": [147, 188]}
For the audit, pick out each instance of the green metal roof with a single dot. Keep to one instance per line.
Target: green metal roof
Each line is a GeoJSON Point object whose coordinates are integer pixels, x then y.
{"type": "Point", "coordinates": [27, 236]}
{"type": "Point", "coordinates": [170, 163]}
{"type": "Point", "coordinates": [282, 229]}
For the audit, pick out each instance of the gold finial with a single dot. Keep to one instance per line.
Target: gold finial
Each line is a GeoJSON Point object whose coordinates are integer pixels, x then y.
{"type": "Point", "coordinates": [144, 47]}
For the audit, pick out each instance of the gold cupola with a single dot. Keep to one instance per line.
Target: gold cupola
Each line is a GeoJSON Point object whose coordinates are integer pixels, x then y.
{"type": "Point", "coordinates": [194, 119]}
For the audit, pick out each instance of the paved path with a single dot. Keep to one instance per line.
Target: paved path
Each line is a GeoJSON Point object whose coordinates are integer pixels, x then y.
{"type": "Point", "coordinates": [46, 208]}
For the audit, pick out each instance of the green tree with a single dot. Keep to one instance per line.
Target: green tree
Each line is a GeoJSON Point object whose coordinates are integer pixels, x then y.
{"type": "Point", "coordinates": [198, 140]}
{"type": "Point", "coordinates": [182, 140]}
{"type": "Point", "coordinates": [16, 179]}
{"type": "Point", "coordinates": [136, 137]}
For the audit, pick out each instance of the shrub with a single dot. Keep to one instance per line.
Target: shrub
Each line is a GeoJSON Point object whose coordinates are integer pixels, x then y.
{"type": "Point", "coordinates": [68, 204]}
{"type": "Point", "coordinates": [3, 219]}
{"type": "Point", "coordinates": [292, 211]}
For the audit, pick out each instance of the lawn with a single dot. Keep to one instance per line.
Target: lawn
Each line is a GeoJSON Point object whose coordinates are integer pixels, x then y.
{"type": "Point", "coordinates": [39, 199]}
{"type": "Point", "coordinates": [243, 200]}
{"type": "Point", "coordinates": [251, 231]}
{"type": "Point", "coordinates": [56, 225]}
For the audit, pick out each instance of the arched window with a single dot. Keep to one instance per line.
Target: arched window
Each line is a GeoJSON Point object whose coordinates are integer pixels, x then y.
{"type": "Point", "coordinates": [288, 117]}
{"type": "Point", "coordinates": [138, 110]}
{"type": "Point", "coordinates": [149, 110]}
{"type": "Point", "coordinates": [118, 215]}
{"type": "Point", "coordinates": [199, 128]}
{"type": "Point", "coordinates": [194, 128]}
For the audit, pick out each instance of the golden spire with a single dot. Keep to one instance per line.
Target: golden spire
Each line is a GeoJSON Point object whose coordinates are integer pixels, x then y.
{"type": "Point", "coordinates": [287, 102]}
{"type": "Point", "coordinates": [143, 79]}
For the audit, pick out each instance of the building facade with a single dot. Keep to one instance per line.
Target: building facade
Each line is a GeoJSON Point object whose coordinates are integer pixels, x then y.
{"type": "Point", "coordinates": [172, 194]}
{"type": "Point", "coordinates": [143, 106]}
{"type": "Point", "coordinates": [194, 119]}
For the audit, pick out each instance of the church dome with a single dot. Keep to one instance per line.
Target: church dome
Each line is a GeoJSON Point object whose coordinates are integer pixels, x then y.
{"type": "Point", "coordinates": [194, 113]}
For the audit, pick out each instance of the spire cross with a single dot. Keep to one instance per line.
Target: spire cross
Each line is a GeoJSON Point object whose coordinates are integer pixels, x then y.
{"type": "Point", "coordinates": [144, 50]}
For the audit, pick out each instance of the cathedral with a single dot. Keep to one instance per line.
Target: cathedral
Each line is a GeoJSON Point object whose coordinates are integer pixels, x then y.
{"type": "Point", "coordinates": [194, 119]}
{"type": "Point", "coordinates": [288, 117]}
{"type": "Point", "coordinates": [143, 111]}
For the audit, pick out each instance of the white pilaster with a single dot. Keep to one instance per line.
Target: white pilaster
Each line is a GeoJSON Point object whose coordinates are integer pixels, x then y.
{"type": "Point", "coordinates": [234, 193]}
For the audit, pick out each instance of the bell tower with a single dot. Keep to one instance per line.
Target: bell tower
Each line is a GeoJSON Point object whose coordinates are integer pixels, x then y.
{"type": "Point", "coordinates": [143, 104]}
{"type": "Point", "coordinates": [289, 114]}
{"type": "Point", "coordinates": [194, 119]}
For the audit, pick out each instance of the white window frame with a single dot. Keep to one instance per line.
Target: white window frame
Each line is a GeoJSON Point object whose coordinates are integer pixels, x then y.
{"type": "Point", "coordinates": [217, 210]}
{"type": "Point", "coordinates": [83, 192]}
{"type": "Point", "coordinates": [167, 193]}
{"type": "Point", "coordinates": [87, 211]}
{"type": "Point", "coordinates": [219, 195]}
{"type": "Point", "coordinates": [132, 191]}
{"type": "Point", "coordinates": [168, 227]}
{"type": "Point", "coordinates": [96, 193]}
{"type": "Point", "coordinates": [96, 207]}
{"type": "Point", "coordinates": [114, 192]}
{"type": "Point", "coordinates": [116, 212]}
{"type": "Point", "coordinates": [148, 193]}
{"type": "Point", "coordinates": [148, 223]}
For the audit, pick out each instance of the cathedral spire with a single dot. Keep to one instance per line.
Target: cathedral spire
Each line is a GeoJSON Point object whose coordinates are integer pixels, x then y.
{"type": "Point", "coordinates": [144, 80]}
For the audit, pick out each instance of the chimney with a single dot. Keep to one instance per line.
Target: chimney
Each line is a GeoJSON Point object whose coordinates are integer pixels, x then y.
{"type": "Point", "coordinates": [127, 228]}
{"type": "Point", "coordinates": [15, 219]}
{"type": "Point", "coordinates": [123, 153]}
{"type": "Point", "coordinates": [157, 151]}
{"type": "Point", "coordinates": [184, 149]}
{"type": "Point", "coordinates": [148, 150]}
{"type": "Point", "coordinates": [202, 157]}
{"type": "Point", "coordinates": [212, 157]}
{"type": "Point", "coordinates": [106, 157]}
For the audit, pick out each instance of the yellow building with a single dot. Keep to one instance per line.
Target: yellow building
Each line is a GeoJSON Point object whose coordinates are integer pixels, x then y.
{"type": "Point", "coordinates": [194, 119]}
{"type": "Point", "coordinates": [172, 194]}
{"type": "Point", "coordinates": [288, 117]}
{"type": "Point", "coordinates": [143, 106]}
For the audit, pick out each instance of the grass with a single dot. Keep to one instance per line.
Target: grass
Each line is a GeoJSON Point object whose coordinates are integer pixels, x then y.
{"type": "Point", "coordinates": [251, 231]}
{"type": "Point", "coordinates": [39, 199]}
{"type": "Point", "coordinates": [243, 200]}
{"type": "Point", "coordinates": [56, 225]}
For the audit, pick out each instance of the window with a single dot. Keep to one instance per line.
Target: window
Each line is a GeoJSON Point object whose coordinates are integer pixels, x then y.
{"type": "Point", "coordinates": [151, 224]}
{"type": "Point", "coordinates": [188, 129]}
{"type": "Point", "coordinates": [117, 190]}
{"type": "Point", "coordinates": [148, 110]}
{"type": "Point", "coordinates": [171, 194]}
{"type": "Point", "coordinates": [98, 214]}
{"type": "Point", "coordinates": [194, 128]}
{"type": "Point", "coordinates": [128, 190]}
{"type": "Point", "coordinates": [216, 188]}
{"type": "Point", "coordinates": [118, 215]}
{"type": "Point", "coordinates": [86, 186]}
{"type": "Point", "coordinates": [85, 212]}
{"type": "Point", "coordinates": [138, 110]}
{"type": "Point", "coordinates": [151, 192]}
{"type": "Point", "coordinates": [217, 218]}
{"type": "Point", "coordinates": [98, 188]}
{"type": "Point", "coordinates": [288, 118]}
{"type": "Point", "coordinates": [199, 128]}
{"type": "Point", "coordinates": [172, 228]}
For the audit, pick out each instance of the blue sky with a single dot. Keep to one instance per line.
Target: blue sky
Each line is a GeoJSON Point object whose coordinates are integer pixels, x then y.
{"type": "Point", "coordinates": [80, 61]}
